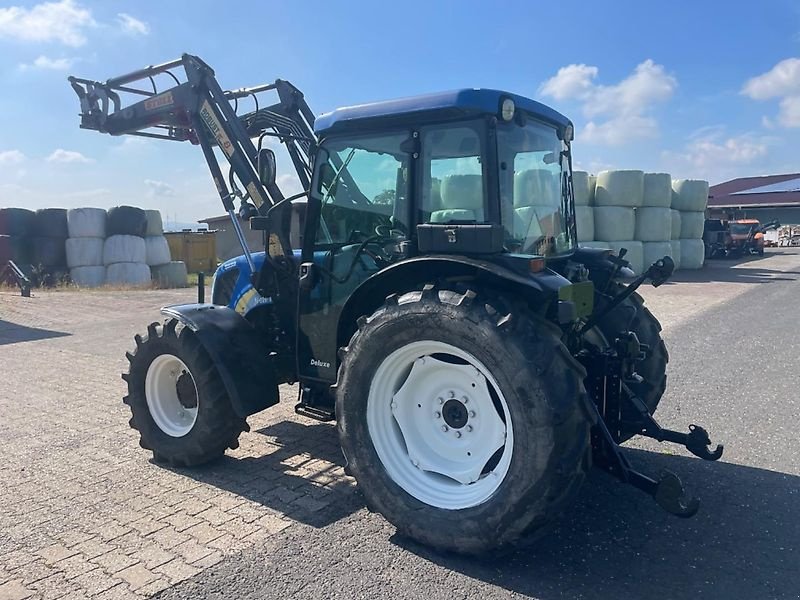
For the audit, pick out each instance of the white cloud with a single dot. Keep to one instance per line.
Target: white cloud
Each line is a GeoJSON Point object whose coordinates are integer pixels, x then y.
{"type": "Point", "coordinates": [647, 85]}
{"type": "Point", "coordinates": [49, 64]}
{"type": "Point", "coordinates": [158, 188]}
{"type": "Point", "coordinates": [65, 22]}
{"type": "Point", "coordinates": [781, 81]}
{"type": "Point", "coordinates": [620, 130]}
{"type": "Point", "coordinates": [624, 107]}
{"type": "Point", "coordinates": [68, 156]}
{"type": "Point", "coordinates": [132, 25]}
{"type": "Point", "coordinates": [790, 111]}
{"type": "Point", "coordinates": [572, 81]}
{"type": "Point", "coordinates": [11, 157]}
{"type": "Point", "coordinates": [717, 157]}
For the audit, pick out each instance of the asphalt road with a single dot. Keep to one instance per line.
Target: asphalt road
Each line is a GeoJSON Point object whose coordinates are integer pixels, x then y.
{"type": "Point", "coordinates": [734, 341]}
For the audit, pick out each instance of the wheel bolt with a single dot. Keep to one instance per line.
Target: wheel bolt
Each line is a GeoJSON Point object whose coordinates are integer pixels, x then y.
{"type": "Point", "coordinates": [469, 427]}
{"type": "Point", "coordinates": [437, 414]}
{"type": "Point", "coordinates": [452, 394]}
{"type": "Point", "coordinates": [464, 400]}
{"type": "Point", "coordinates": [445, 428]}
{"type": "Point", "coordinates": [441, 400]}
{"type": "Point", "coordinates": [458, 434]}
{"type": "Point", "coordinates": [472, 414]}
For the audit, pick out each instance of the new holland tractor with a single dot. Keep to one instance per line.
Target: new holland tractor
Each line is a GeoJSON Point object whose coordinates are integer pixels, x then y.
{"type": "Point", "coordinates": [425, 290]}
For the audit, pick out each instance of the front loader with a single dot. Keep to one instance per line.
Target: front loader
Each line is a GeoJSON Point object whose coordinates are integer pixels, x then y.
{"type": "Point", "coordinates": [426, 291]}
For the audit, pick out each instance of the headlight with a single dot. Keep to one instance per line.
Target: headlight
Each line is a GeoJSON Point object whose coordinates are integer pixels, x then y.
{"type": "Point", "coordinates": [507, 109]}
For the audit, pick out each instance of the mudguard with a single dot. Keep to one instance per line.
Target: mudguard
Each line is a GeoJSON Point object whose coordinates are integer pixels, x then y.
{"type": "Point", "coordinates": [237, 351]}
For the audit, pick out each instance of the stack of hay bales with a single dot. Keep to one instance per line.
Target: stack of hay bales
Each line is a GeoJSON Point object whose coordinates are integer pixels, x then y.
{"type": "Point", "coordinates": [165, 271]}
{"type": "Point", "coordinates": [617, 195]}
{"type": "Point", "coordinates": [124, 250]}
{"type": "Point", "coordinates": [16, 229]}
{"type": "Point", "coordinates": [87, 232]}
{"type": "Point", "coordinates": [654, 218]}
{"type": "Point", "coordinates": [583, 187]}
{"type": "Point", "coordinates": [48, 243]}
{"type": "Point", "coordinates": [690, 197]}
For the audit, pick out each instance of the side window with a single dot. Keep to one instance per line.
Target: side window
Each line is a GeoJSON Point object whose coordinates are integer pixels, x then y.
{"type": "Point", "coordinates": [453, 182]}
{"type": "Point", "coordinates": [364, 189]}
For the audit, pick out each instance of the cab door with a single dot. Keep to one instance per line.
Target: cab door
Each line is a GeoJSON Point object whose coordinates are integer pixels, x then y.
{"type": "Point", "coordinates": [357, 222]}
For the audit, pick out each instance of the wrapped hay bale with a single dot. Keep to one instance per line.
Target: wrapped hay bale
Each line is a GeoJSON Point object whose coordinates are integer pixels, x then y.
{"type": "Point", "coordinates": [676, 224]}
{"type": "Point", "coordinates": [619, 188]}
{"type": "Point", "coordinates": [583, 185]}
{"type": "Point", "coordinates": [84, 251]}
{"type": "Point", "coordinates": [692, 224]}
{"type": "Point", "coordinates": [584, 222]}
{"type": "Point", "coordinates": [126, 220]}
{"type": "Point", "coordinates": [88, 276]}
{"type": "Point", "coordinates": [614, 223]}
{"type": "Point", "coordinates": [86, 222]}
{"type": "Point", "coordinates": [689, 195]}
{"type": "Point", "coordinates": [692, 254]}
{"type": "Point", "coordinates": [676, 253]}
{"type": "Point", "coordinates": [594, 244]}
{"type": "Point", "coordinates": [124, 249]}
{"type": "Point", "coordinates": [128, 274]}
{"type": "Point", "coordinates": [156, 250]}
{"type": "Point", "coordinates": [154, 225]}
{"type": "Point", "coordinates": [653, 224]}
{"type": "Point", "coordinates": [171, 275]}
{"type": "Point", "coordinates": [653, 251]}
{"type": "Point", "coordinates": [657, 190]}
{"type": "Point", "coordinates": [634, 253]}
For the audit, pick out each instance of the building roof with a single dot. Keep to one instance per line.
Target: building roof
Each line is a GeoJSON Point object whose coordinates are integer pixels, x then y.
{"type": "Point", "coordinates": [763, 192]}
{"type": "Point", "coordinates": [458, 102]}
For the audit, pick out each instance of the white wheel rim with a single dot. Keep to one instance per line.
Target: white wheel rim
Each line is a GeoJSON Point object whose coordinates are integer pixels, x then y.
{"type": "Point", "coordinates": [435, 445]}
{"type": "Point", "coordinates": [161, 393]}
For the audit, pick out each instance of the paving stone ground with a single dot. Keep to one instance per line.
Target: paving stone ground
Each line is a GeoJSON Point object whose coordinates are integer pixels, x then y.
{"type": "Point", "coordinates": [84, 513]}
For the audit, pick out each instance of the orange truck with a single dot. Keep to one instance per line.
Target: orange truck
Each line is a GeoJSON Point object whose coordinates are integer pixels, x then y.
{"type": "Point", "coordinates": [747, 236]}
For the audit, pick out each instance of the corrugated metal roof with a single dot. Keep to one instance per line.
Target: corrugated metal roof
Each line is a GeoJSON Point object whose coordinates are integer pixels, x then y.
{"type": "Point", "coordinates": [763, 191]}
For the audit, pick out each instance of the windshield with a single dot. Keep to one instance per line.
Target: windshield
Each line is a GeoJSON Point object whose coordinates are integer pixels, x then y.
{"type": "Point", "coordinates": [534, 169]}
{"type": "Point", "coordinates": [741, 228]}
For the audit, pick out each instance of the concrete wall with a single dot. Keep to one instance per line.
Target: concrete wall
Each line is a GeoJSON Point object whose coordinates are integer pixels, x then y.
{"type": "Point", "coordinates": [228, 244]}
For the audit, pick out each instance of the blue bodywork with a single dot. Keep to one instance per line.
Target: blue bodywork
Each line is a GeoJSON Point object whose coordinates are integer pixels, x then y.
{"type": "Point", "coordinates": [470, 101]}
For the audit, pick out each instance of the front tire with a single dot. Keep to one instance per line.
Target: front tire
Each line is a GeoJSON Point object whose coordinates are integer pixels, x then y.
{"type": "Point", "coordinates": [465, 424]}
{"type": "Point", "coordinates": [177, 399]}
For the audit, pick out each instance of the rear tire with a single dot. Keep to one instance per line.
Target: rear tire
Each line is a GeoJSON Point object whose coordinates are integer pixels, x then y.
{"type": "Point", "coordinates": [517, 378]}
{"type": "Point", "coordinates": [186, 420]}
{"type": "Point", "coordinates": [632, 315]}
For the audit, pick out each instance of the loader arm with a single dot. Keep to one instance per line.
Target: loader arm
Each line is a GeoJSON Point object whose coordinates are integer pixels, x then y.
{"type": "Point", "coordinates": [199, 111]}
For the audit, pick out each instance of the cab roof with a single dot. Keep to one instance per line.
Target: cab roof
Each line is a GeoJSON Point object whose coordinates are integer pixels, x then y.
{"type": "Point", "coordinates": [430, 107]}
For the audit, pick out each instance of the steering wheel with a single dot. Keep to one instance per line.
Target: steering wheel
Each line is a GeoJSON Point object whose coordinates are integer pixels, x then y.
{"type": "Point", "coordinates": [387, 231]}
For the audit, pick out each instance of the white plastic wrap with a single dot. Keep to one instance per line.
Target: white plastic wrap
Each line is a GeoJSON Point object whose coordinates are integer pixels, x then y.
{"type": "Point", "coordinates": [84, 252]}
{"type": "Point", "coordinates": [614, 223]}
{"type": "Point", "coordinates": [124, 249]}
{"type": "Point", "coordinates": [619, 188]}
{"type": "Point", "coordinates": [653, 224]}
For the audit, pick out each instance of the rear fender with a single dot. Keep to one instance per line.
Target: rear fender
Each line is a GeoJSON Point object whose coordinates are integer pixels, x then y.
{"type": "Point", "coordinates": [237, 351]}
{"type": "Point", "coordinates": [411, 274]}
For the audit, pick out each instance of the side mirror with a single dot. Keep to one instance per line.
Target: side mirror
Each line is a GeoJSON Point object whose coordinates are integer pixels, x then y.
{"type": "Point", "coordinates": [266, 166]}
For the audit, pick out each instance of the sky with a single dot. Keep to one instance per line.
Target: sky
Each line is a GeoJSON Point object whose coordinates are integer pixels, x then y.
{"type": "Point", "coordinates": [706, 90]}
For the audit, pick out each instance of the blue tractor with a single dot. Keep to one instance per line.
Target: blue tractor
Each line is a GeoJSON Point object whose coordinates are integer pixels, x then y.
{"type": "Point", "coordinates": [425, 290]}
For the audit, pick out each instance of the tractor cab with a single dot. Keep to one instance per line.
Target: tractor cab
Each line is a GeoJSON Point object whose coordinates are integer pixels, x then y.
{"type": "Point", "coordinates": [467, 172]}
